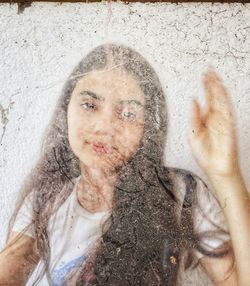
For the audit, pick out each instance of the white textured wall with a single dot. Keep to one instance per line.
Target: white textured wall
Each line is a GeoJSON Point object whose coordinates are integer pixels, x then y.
{"type": "Point", "coordinates": [39, 48]}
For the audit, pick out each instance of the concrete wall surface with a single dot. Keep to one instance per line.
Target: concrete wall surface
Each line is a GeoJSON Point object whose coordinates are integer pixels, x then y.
{"type": "Point", "coordinates": [40, 46]}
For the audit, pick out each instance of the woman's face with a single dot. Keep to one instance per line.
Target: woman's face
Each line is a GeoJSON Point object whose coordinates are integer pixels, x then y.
{"type": "Point", "coordinates": [106, 118]}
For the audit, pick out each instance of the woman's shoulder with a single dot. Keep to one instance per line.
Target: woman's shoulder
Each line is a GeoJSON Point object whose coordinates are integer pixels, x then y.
{"type": "Point", "coordinates": [184, 182]}
{"type": "Point", "coordinates": [194, 192]}
{"type": "Point", "coordinates": [181, 174]}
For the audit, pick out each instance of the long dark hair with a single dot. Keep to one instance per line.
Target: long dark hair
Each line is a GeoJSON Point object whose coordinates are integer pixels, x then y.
{"type": "Point", "coordinates": [132, 249]}
{"type": "Point", "coordinates": [144, 219]}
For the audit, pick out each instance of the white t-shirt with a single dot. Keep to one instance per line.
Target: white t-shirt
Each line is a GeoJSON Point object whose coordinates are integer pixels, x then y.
{"type": "Point", "coordinates": [72, 233]}
{"type": "Point", "coordinates": [73, 230]}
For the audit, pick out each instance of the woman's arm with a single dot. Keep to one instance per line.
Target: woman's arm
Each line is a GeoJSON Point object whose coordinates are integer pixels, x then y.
{"type": "Point", "coordinates": [18, 260]}
{"type": "Point", "coordinates": [214, 145]}
{"type": "Point", "coordinates": [236, 207]}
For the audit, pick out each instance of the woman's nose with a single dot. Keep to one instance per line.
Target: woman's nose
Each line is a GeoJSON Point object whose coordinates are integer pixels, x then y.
{"type": "Point", "coordinates": [105, 124]}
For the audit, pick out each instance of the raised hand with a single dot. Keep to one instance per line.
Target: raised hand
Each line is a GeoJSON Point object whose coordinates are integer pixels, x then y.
{"type": "Point", "coordinates": [213, 142]}
{"type": "Point", "coordinates": [212, 133]}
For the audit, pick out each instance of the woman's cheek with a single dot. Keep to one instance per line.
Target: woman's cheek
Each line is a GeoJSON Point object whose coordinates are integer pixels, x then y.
{"type": "Point", "coordinates": [136, 133]}
{"type": "Point", "coordinates": [129, 140]}
{"type": "Point", "coordinates": [73, 143]}
{"type": "Point", "coordinates": [75, 137]}
{"type": "Point", "coordinates": [80, 133]}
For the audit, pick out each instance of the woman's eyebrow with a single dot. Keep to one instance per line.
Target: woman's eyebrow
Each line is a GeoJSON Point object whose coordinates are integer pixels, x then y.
{"type": "Point", "coordinates": [129, 101]}
{"type": "Point", "coordinates": [91, 94]}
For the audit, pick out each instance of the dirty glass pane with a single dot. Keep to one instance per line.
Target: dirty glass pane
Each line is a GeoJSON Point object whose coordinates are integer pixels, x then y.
{"type": "Point", "coordinates": [119, 144]}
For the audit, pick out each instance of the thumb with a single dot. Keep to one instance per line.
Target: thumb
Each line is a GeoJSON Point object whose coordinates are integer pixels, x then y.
{"type": "Point", "coordinates": [196, 120]}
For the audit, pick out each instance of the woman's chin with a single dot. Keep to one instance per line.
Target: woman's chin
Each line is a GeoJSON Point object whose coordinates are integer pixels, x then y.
{"type": "Point", "coordinates": [97, 162]}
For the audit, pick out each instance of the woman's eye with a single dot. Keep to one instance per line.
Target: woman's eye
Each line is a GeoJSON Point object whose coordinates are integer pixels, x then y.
{"type": "Point", "coordinates": [88, 106]}
{"type": "Point", "coordinates": [126, 114]}
{"type": "Point", "coordinates": [129, 115]}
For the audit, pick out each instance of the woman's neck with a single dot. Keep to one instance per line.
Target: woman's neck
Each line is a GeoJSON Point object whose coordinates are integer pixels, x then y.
{"type": "Point", "coordinates": [95, 189]}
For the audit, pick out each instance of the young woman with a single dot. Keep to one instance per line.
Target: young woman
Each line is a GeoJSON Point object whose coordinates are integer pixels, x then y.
{"type": "Point", "coordinates": [100, 207]}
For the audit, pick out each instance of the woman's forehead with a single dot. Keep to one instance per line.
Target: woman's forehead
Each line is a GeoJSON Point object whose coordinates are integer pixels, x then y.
{"type": "Point", "coordinates": [113, 82]}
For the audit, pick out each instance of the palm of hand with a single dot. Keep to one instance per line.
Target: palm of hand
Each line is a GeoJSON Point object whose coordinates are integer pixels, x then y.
{"type": "Point", "coordinates": [212, 135]}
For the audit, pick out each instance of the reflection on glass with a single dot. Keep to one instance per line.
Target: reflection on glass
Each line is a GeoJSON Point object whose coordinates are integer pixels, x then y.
{"type": "Point", "coordinates": [100, 207]}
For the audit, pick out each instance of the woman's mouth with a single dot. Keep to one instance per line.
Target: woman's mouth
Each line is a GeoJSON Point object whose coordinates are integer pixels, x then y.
{"type": "Point", "coordinates": [101, 148]}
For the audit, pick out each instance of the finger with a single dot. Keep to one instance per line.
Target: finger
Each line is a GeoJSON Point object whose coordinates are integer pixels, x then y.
{"type": "Point", "coordinates": [197, 122]}
{"type": "Point", "coordinates": [216, 94]}
{"type": "Point", "coordinates": [208, 93]}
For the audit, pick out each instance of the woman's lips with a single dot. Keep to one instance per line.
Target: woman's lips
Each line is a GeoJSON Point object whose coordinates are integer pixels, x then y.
{"type": "Point", "coordinates": [101, 148]}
